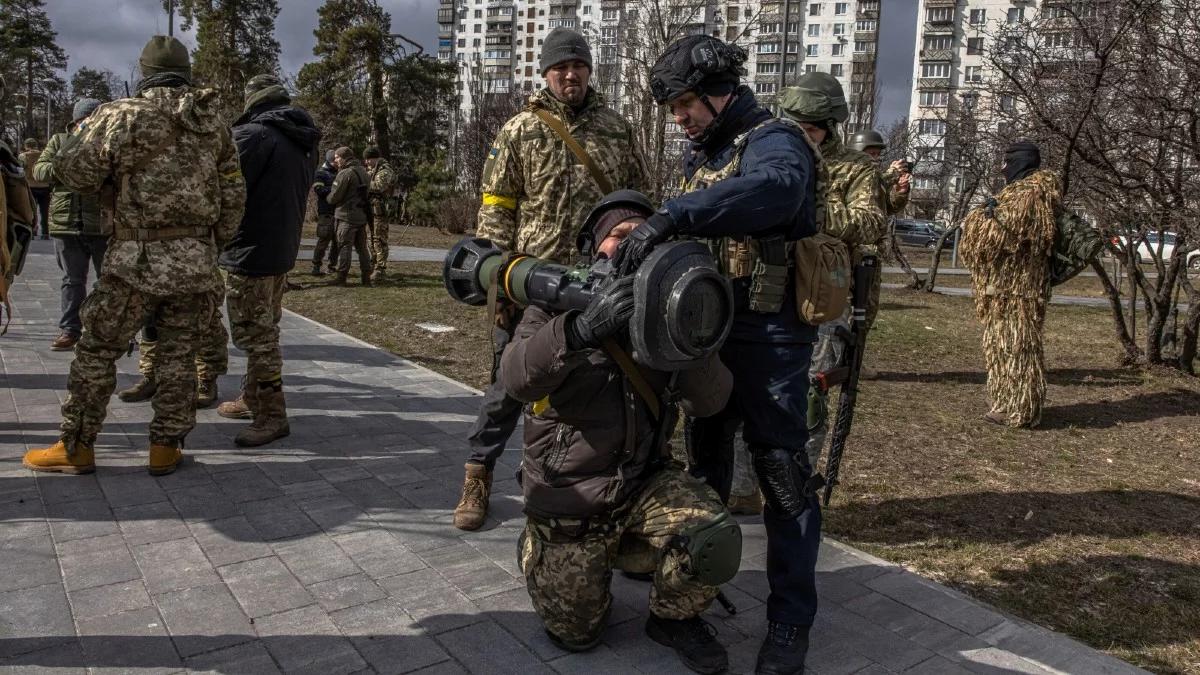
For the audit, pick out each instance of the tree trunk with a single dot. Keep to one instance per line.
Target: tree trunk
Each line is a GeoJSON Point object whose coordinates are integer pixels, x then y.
{"type": "Point", "coordinates": [379, 121]}
{"type": "Point", "coordinates": [914, 280]}
{"type": "Point", "coordinates": [1132, 353]}
{"type": "Point", "coordinates": [1191, 330]}
{"type": "Point", "coordinates": [30, 127]}
{"type": "Point", "coordinates": [935, 260]}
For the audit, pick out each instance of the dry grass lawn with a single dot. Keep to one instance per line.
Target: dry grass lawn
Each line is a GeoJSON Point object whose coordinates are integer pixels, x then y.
{"type": "Point", "coordinates": [1089, 525]}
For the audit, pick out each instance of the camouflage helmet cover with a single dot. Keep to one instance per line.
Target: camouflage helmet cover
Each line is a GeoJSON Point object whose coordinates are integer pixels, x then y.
{"type": "Point", "coordinates": [816, 97]}
{"type": "Point", "coordinates": [867, 139]}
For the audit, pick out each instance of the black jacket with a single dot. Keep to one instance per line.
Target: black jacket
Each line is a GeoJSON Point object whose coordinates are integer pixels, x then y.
{"type": "Point", "coordinates": [324, 183]}
{"type": "Point", "coordinates": [277, 146]}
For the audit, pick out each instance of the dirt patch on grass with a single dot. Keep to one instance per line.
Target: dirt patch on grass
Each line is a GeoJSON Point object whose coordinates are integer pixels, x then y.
{"type": "Point", "coordinates": [1089, 525]}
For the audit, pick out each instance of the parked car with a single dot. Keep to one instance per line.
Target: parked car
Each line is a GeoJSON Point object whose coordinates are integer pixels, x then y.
{"type": "Point", "coordinates": [1155, 242]}
{"type": "Point", "coordinates": [922, 233]}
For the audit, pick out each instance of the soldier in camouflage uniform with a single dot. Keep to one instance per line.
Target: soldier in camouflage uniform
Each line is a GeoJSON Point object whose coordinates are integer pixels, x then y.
{"type": "Point", "coordinates": [383, 184]}
{"type": "Point", "coordinates": [897, 180]}
{"type": "Point", "coordinates": [536, 193]}
{"type": "Point", "coordinates": [178, 195]}
{"type": "Point", "coordinates": [854, 213]}
{"type": "Point", "coordinates": [601, 492]}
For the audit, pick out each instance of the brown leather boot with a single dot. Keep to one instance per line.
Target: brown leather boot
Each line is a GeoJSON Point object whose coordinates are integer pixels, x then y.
{"type": "Point", "coordinates": [746, 505]}
{"type": "Point", "coordinates": [65, 342]}
{"type": "Point", "coordinates": [143, 390]}
{"type": "Point", "coordinates": [477, 490]}
{"type": "Point", "coordinates": [270, 417]}
{"type": "Point", "coordinates": [206, 392]}
{"type": "Point", "coordinates": [164, 459]}
{"type": "Point", "coordinates": [55, 459]}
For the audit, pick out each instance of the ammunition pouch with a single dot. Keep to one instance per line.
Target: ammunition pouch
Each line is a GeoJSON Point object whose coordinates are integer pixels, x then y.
{"type": "Point", "coordinates": [122, 233]}
{"type": "Point", "coordinates": [785, 487]}
{"type": "Point", "coordinates": [713, 549]}
{"type": "Point", "coordinates": [767, 264]}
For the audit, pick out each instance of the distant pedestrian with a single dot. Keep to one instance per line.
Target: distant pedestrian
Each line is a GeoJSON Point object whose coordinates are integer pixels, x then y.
{"type": "Point", "coordinates": [326, 234]}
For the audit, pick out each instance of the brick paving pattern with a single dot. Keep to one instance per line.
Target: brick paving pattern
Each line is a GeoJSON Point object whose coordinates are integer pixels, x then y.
{"type": "Point", "coordinates": [332, 551]}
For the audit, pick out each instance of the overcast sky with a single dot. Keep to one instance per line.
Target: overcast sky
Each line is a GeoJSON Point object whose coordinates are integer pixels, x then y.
{"type": "Point", "coordinates": [109, 34]}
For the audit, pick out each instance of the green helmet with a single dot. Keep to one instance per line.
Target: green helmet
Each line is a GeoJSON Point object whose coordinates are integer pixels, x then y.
{"type": "Point", "coordinates": [867, 139]}
{"type": "Point", "coordinates": [815, 98]}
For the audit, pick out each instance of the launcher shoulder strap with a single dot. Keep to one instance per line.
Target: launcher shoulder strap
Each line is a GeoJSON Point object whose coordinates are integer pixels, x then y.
{"type": "Point", "coordinates": [634, 374]}
{"type": "Point", "coordinates": [574, 146]}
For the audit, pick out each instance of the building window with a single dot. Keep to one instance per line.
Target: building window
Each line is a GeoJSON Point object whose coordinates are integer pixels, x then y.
{"type": "Point", "coordinates": [814, 9]}
{"type": "Point", "coordinates": [973, 74]}
{"type": "Point", "coordinates": [839, 49]}
{"type": "Point", "coordinates": [969, 100]}
{"type": "Point", "coordinates": [935, 98]}
{"type": "Point", "coordinates": [867, 24]}
{"type": "Point", "coordinates": [931, 127]}
{"type": "Point", "coordinates": [864, 47]}
{"type": "Point", "coordinates": [793, 27]}
{"type": "Point", "coordinates": [939, 42]}
{"type": "Point", "coordinates": [768, 28]}
{"type": "Point", "coordinates": [476, 28]}
{"type": "Point", "coordinates": [810, 68]}
{"type": "Point", "coordinates": [813, 50]}
{"type": "Point", "coordinates": [767, 68]}
{"type": "Point", "coordinates": [837, 70]}
{"type": "Point", "coordinates": [939, 70]}
{"type": "Point", "coordinates": [1008, 103]}
{"type": "Point", "coordinates": [768, 48]}
{"type": "Point", "coordinates": [978, 17]}
{"type": "Point", "coordinates": [610, 14]}
{"type": "Point", "coordinates": [939, 14]}
{"type": "Point", "coordinates": [814, 30]}
{"type": "Point", "coordinates": [1016, 15]}
{"type": "Point", "coordinates": [839, 29]}
{"type": "Point", "coordinates": [479, 14]}
{"type": "Point", "coordinates": [839, 8]}
{"type": "Point", "coordinates": [765, 87]}
{"type": "Point", "coordinates": [975, 46]}
{"type": "Point", "coordinates": [925, 183]}
{"type": "Point", "coordinates": [936, 154]}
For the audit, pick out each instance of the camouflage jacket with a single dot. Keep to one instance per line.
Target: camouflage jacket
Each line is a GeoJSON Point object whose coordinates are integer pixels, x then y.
{"type": "Point", "coordinates": [854, 209]}
{"type": "Point", "coordinates": [894, 200]}
{"type": "Point", "coordinates": [187, 176]}
{"type": "Point", "coordinates": [536, 194]}
{"type": "Point", "coordinates": [383, 179]}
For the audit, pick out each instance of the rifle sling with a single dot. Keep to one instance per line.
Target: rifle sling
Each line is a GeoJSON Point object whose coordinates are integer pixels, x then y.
{"type": "Point", "coordinates": [574, 146]}
{"type": "Point", "coordinates": [634, 374]}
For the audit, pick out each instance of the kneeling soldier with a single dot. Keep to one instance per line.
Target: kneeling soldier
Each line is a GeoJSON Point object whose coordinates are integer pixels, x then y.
{"type": "Point", "coordinates": [600, 489]}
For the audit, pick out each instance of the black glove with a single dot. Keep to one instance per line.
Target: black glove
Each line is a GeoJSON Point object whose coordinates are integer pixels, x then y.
{"type": "Point", "coordinates": [637, 246]}
{"type": "Point", "coordinates": [607, 313]}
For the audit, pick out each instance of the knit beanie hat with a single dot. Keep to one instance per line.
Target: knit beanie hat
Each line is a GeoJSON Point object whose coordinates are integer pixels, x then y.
{"type": "Point", "coordinates": [564, 44]}
{"type": "Point", "coordinates": [265, 89]}
{"type": "Point", "coordinates": [371, 152]}
{"type": "Point", "coordinates": [83, 108]}
{"type": "Point", "coordinates": [165, 54]}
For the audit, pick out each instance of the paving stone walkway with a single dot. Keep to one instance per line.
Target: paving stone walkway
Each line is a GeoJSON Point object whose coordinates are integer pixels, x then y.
{"type": "Point", "coordinates": [332, 551]}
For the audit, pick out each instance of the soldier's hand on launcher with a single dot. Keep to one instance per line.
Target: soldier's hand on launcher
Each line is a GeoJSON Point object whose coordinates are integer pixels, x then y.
{"type": "Point", "coordinates": [637, 246]}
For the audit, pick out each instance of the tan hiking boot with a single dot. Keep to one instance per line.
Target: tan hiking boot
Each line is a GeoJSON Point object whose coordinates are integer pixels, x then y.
{"type": "Point", "coordinates": [995, 417]}
{"type": "Point", "coordinates": [270, 419]}
{"type": "Point", "coordinates": [746, 505]}
{"type": "Point", "coordinates": [142, 391]}
{"type": "Point", "coordinates": [235, 409]}
{"type": "Point", "coordinates": [206, 392]}
{"type": "Point", "coordinates": [164, 459]}
{"type": "Point", "coordinates": [55, 459]}
{"type": "Point", "coordinates": [473, 507]}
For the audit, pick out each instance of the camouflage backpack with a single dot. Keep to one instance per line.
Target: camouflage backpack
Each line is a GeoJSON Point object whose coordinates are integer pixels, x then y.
{"type": "Point", "coordinates": [1076, 245]}
{"type": "Point", "coordinates": [17, 216]}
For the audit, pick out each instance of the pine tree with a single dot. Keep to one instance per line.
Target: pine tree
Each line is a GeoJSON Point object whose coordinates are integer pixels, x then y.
{"type": "Point", "coordinates": [29, 54]}
{"type": "Point", "coordinates": [235, 40]}
{"type": "Point", "coordinates": [98, 84]}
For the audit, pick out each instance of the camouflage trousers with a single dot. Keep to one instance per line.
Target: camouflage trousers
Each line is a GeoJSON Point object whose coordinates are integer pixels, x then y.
{"type": "Point", "coordinates": [111, 315]}
{"type": "Point", "coordinates": [378, 239]}
{"type": "Point", "coordinates": [212, 345]}
{"type": "Point", "coordinates": [255, 306]}
{"type": "Point", "coordinates": [568, 574]}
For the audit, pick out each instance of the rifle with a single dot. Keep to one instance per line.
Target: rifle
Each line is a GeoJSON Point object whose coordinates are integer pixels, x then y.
{"type": "Point", "coordinates": [846, 375]}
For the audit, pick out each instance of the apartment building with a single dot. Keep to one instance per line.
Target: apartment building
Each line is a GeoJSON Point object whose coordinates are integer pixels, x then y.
{"type": "Point", "coordinates": [497, 42]}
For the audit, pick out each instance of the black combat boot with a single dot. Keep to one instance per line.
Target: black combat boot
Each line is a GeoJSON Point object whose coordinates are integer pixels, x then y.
{"type": "Point", "coordinates": [340, 279]}
{"type": "Point", "coordinates": [316, 271]}
{"type": "Point", "coordinates": [784, 650]}
{"type": "Point", "coordinates": [694, 641]}
{"type": "Point", "coordinates": [366, 278]}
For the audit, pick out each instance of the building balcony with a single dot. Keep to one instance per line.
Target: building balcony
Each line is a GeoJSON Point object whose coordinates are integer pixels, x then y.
{"type": "Point", "coordinates": [933, 83]}
{"type": "Point", "coordinates": [866, 35]}
{"type": "Point", "coordinates": [563, 22]}
{"type": "Point", "coordinates": [445, 15]}
{"type": "Point", "coordinates": [863, 67]}
{"type": "Point", "coordinates": [498, 40]}
{"type": "Point", "coordinates": [446, 32]}
{"type": "Point", "coordinates": [939, 27]}
{"type": "Point", "coordinates": [865, 13]}
{"type": "Point", "coordinates": [769, 58]}
{"type": "Point", "coordinates": [941, 3]}
{"type": "Point", "coordinates": [863, 57]}
{"type": "Point", "coordinates": [564, 3]}
{"type": "Point", "coordinates": [499, 64]}
{"type": "Point", "coordinates": [937, 55]}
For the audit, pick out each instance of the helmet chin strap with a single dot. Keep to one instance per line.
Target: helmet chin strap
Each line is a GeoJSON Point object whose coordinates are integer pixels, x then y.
{"type": "Point", "coordinates": [718, 117]}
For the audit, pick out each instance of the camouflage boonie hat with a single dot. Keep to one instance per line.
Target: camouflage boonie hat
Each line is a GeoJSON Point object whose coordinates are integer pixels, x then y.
{"type": "Point", "coordinates": [817, 97]}
{"type": "Point", "coordinates": [260, 82]}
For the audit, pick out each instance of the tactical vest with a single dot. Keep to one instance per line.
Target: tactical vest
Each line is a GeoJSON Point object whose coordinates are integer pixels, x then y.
{"type": "Point", "coordinates": [768, 261]}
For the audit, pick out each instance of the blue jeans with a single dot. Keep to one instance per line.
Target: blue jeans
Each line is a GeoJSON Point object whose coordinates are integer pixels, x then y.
{"type": "Point", "coordinates": [75, 253]}
{"type": "Point", "coordinates": [770, 398]}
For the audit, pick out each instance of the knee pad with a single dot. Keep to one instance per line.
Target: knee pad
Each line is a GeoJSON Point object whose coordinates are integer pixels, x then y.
{"type": "Point", "coordinates": [782, 480]}
{"type": "Point", "coordinates": [713, 549]}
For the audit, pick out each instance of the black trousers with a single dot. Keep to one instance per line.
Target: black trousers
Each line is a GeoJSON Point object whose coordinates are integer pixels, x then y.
{"type": "Point", "coordinates": [499, 414]}
{"type": "Point", "coordinates": [75, 254]}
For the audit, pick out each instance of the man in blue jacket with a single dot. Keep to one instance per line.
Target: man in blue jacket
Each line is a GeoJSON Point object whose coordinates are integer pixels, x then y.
{"type": "Point", "coordinates": [277, 147]}
{"type": "Point", "coordinates": [750, 186]}
{"type": "Point", "coordinates": [326, 235]}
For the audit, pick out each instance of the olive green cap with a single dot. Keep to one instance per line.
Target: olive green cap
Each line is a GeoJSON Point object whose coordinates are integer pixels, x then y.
{"type": "Point", "coordinates": [816, 97]}
{"type": "Point", "coordinates": [165, 54]}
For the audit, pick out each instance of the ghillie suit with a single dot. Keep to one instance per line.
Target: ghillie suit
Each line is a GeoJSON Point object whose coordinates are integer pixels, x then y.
{"type": "Point", "coordinates": [1007, 244]}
